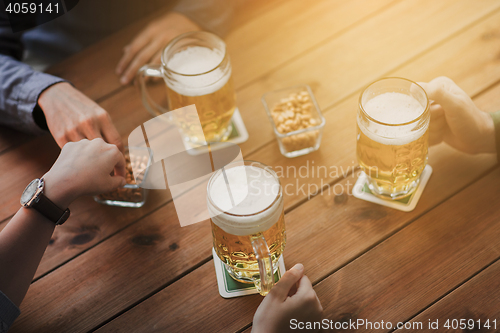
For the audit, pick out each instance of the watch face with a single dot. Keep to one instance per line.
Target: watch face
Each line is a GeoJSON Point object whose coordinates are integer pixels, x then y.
{"type": "Point", "coordinates": [29, 191]}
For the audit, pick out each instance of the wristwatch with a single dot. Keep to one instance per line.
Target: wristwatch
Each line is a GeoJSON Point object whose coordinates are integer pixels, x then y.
{"type": "Point", "coordinates": [33, 197]}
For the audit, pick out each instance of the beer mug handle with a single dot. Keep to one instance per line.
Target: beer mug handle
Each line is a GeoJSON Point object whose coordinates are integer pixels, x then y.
{"type": "Point", "coordinates": [266, 271]}
{"type": "Point", "coordinates": [152, 71]}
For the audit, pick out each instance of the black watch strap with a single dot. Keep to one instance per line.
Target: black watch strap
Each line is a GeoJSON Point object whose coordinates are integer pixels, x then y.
{"type": "Point", "coordinates": [50, 210]}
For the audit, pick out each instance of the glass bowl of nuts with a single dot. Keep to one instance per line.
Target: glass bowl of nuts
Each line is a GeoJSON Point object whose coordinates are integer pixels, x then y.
{"type": "Point", "coordinates": [296, 119]}
{"type": "Point", "coordinates": [132, 194]}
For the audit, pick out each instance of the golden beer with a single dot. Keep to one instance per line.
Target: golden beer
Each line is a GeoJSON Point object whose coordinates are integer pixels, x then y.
{"type": "Point", "coordinates": [197, 71]}
{"type": "Point", "coordinates": [392, 136]}
{"type": "Point", "coordinates": [215, 111]}
{"type": "Point", "coordinates": [237, 251]}
{"type": "Point", "coordinates": [250, 228]}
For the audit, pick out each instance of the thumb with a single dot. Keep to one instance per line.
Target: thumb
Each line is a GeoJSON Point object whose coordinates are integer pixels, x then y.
{"type": "Point", "coordinates": [116, 182]}
{"type": "Point", "coordinates": [287, 281]}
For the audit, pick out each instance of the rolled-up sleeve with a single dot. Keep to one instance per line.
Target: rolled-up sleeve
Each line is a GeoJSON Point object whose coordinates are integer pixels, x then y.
{"type": "Point", "coordinates": [20, 85]}
{"type": "Point", "coordinates": [8, 313]}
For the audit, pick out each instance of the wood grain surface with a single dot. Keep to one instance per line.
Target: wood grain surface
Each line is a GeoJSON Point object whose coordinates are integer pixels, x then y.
{"type": "Point", "coordinates": [111, 269]}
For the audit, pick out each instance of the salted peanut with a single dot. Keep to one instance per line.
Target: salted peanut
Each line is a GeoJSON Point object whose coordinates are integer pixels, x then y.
{"type": "Point", "coordinates": [294, 113]}
{"type": "Point", "coordinates": [307, 106]}
{"type": "Point", "coordinates": [129, 194]}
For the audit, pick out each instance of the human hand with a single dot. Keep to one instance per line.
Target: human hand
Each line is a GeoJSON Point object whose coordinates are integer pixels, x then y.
{"type": "Point", "coordinates": [72, 116]}
{"type": "Point", "coordinates": [293, 297]}
{"type": "Point", "coordinates": [84, 167]}
{"type": "Point", "coordinates": [147, 46]}
{"type": "Point", "coordinates": [456, 120]}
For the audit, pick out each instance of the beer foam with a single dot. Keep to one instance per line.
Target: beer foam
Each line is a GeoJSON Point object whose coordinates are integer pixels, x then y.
{"type": "Point", "coordinates": [393, 108]}
{"type": "Point", "coordinates": [197, 60]}
{"type": "Point", "coordinates": [253, 189]}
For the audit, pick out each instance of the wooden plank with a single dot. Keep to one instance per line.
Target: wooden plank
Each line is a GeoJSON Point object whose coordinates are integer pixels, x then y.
{"type": "Point", "coordinates": [29, 164]}
{"type": "Point", "coordinates": [101, 80]}
{"type": "Point", "coordinates": [90, 222]}
{"type": "Point", "coordinates": [476, 301]}
{"type": "Point", "coordinates": [10, 138]}
{"type": "Point", "coordinates": [311, 155]}
{"type": "Point", "coordinates": [342, 66]}
{"type": "Point", "coordinates": [421, 263]}
{"type": "Point", "coordinates": [339, 125]}
{"type": "Point", "coordinates": [340, 153]}
{"type": "Point", "coordinates": [343, 228]}
{"type": "Point", "coordinates": [336, 149]}
{"type": "Point", "coordinates": [296, 26]}
{"type": "Point", "coordinates": [336, 219]}
{"type": "Point", "coordinates": [156, 250]}
{"type": "Point", "coordinates": [107, 82]}
{"type": "Point", "coordinates": [471, 56]}
{"type": "Point", "coordinates": [485, 162]}
{"type": "Point", "coordinates": [188, 309]}
{"type": "Point", "coordinates": [246, 11]}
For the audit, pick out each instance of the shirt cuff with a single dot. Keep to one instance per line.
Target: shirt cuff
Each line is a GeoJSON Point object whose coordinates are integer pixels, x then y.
{"type": "Point", "coordinates": [8, 312]}
{"type": "Point", "coordinates": [496, 121]}
{"type": "Point", "coordinates": [36, 83]}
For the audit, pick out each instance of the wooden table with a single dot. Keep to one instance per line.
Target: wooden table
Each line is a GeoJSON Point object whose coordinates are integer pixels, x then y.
{"type": "Point", "coordinates": [114, 269]}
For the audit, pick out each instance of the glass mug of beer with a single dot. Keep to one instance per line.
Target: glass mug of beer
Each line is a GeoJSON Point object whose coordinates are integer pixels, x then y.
{"type": "Point", "coordinates": [392, 136]}
{"type": "Point", "coordinates": [248, 237]}
{"type": "Point", "coordinates": [196, 70]}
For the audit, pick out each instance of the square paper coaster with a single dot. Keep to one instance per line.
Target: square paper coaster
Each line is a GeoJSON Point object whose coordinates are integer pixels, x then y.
{"type": "Point", "coordinates": [229, 288]}
{"type": "Point", "coordinates": [361, 191]}
{"type": "Point", "coordinates": [238, 134]}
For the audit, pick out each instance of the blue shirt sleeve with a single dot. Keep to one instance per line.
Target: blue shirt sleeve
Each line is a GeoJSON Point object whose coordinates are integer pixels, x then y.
{"type": "Point", "coordinates": [20, 85]}
{"type": "Point", "coordinates": [8, 313]}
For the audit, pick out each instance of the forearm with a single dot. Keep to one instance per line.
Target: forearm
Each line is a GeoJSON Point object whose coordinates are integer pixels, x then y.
{"type": "Point", "coordinates": [22, 245]}
{"type": "Point", "coordinates": [24, 240]}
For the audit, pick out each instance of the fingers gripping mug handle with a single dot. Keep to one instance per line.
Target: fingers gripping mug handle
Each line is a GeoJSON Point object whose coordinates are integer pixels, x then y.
{"type": "Point", "coordinates": [266, 271]}
{"type": "Point", "coordinates": [152, 71]}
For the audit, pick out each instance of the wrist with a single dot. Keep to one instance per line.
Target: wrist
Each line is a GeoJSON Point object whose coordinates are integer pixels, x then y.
{"type": "Point", "coordinates": [57, 191]}
{"type": "Point", "coordinates": [48, 96]}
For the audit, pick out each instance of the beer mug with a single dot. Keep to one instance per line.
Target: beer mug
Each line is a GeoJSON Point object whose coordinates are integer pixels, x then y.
{"type": "Point", "coordinates": [248, 237]}
{"type": "Point", "coordinates": [196, 70]}
{"type": "Point", "coordinates": [392, 136]}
